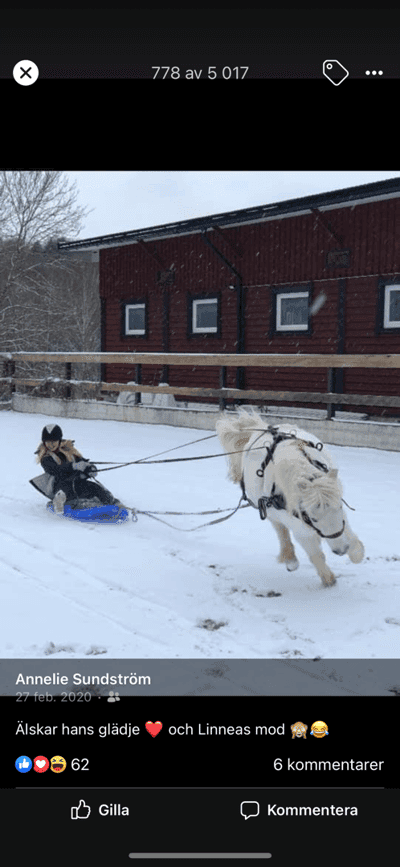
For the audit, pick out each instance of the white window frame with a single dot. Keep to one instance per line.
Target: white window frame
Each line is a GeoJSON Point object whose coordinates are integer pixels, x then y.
{"type": "Point", "coordinates": [279, 297]}
{"type": "Point", "coordinates": [212, 329]}
{"type": "Point", "coordinates": [133, 331]}
{"type": "Point", "coordinates": [387, 323]}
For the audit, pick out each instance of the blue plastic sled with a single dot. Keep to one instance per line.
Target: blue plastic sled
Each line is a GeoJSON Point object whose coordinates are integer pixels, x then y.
{"type": "Point", "coordinates": [98, 514]}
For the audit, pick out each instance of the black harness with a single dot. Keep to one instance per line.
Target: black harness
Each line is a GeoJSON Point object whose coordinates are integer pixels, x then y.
{"type": "Point", "coordinates": [276, 500]}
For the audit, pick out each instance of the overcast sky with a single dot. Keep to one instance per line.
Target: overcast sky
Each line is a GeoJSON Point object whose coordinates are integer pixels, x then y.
{"type": "Point", "coordinates": [123, 201]}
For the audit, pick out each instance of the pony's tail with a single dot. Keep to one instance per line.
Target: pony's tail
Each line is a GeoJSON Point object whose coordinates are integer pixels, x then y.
{"type": "Point", "coordinates": [234, 433]}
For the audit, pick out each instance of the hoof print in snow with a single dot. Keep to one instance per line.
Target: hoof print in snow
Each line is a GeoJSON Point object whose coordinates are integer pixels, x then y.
{"type": "Point", "coordinates": [211, 624]}
{"type": "Point", "coordinates": [270, 593]}
{"type": "Point", "coordinates": [59, 648]}
{"type": "Point", "coordinates": [95, 651]}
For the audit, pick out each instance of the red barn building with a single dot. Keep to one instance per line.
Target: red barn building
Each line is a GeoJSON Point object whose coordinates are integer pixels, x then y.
{"type": "Point", "coordinates": [317, 274]}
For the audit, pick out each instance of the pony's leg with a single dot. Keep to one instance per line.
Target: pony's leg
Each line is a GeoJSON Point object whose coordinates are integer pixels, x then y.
{"type": "Point", "coordinates": [312, 547]}
{"type": "Point", "coordinates": [287, 553]}
{"type": "Point", "coordinates": [356, 548]}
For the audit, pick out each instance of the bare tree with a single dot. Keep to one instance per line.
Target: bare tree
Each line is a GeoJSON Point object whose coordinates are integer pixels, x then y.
{"type": "Point", "coordinates": [44, 295]}
{"type": "Point", "coordinates": [38, 205]}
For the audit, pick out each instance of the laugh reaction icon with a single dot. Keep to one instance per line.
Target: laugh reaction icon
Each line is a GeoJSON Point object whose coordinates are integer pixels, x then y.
{"type": "Point", "coordinates": [319, 729]}
{"type": "Point", "coordinates": [299, 730]}
{"type": "Point", "coordinates": [57, 764]}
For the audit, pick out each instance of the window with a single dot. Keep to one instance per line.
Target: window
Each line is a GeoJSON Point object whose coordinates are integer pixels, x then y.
{"type": "Point", "coordinates": [205, 316]}
{"type": "Point", "coordinates": [135, 322]}
{"type": "Point", "coordinates": [391, 311]}
{"type": "Point", "coordinates": [338, 259]}
{"type": "Point", "coordinates": [292, 311]}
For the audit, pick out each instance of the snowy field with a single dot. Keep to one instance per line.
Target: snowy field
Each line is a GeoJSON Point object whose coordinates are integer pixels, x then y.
{"type": "Point", "coordinates": [144, 590]}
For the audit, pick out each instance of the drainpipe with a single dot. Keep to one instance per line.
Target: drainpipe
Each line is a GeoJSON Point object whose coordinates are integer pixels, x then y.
{"type": "Point", "coordinates": [240, 309]}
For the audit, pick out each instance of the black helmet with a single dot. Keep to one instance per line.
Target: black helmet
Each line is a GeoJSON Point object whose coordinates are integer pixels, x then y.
{"type": "Point", "coordinates": [51, 432]}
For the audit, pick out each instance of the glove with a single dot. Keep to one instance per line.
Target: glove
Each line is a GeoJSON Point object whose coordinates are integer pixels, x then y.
{"type": "Point", "coordinates": [91, 470]}
{"type": "Point", "coordinates": [81, 466]}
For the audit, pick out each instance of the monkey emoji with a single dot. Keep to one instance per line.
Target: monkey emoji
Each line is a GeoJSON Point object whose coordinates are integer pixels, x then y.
{"type": "Point", "coordinates": [299, 730]}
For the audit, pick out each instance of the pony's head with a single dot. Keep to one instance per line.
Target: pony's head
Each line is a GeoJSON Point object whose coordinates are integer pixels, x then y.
{"type": "Point", "coordinates": [318, 495]}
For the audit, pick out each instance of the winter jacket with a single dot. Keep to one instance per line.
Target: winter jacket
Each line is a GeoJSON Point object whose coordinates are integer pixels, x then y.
{"type": "Point", "coordinates": [59, 475]}
{"type": "Point", "coordinates": [58, 471]}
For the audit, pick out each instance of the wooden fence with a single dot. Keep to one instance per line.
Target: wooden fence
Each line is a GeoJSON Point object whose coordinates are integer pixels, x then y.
{"type": "Point", "coordinates": [330, 362]}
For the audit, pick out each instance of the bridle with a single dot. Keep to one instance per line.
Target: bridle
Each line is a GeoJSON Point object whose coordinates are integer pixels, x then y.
{"type": "Point", "coordinates": [307, 520]}
{"type": "Point", "coordinates": [277, 500]}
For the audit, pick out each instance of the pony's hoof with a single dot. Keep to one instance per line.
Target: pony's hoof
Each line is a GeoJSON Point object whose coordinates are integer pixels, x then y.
{"type": "Point", "coordinates": [356, 553]}
{"type": "Point", "coordinates": [328, 580]}
{"type": "Point", "coordinates": [291, 565]}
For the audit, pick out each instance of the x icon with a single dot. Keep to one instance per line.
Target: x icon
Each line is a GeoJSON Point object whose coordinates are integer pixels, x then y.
{"type": "Point", "coordinates": [25, 72]}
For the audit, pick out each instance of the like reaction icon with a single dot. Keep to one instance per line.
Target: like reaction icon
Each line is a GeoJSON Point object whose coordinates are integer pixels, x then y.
{"type": "Point", "coordinates": [82, 811]}
{"type": "Point", "coordinates": [23, 764]}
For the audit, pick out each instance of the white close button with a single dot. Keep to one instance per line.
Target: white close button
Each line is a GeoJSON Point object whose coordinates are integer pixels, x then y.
{"type": "Point", "coordinates": [25, 72]}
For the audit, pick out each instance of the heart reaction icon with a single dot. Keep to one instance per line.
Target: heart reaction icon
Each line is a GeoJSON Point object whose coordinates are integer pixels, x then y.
{"type": "Point", "coordinates": [40, 764]}
{"type": "Point", "coordinates": [154, 728]}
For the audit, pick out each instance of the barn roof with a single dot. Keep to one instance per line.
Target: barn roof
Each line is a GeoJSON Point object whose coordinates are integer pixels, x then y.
{"type": "Point", "coordinates": [347, 197]}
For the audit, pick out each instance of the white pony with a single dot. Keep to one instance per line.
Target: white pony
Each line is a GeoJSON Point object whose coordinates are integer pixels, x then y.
{"type": "Point", "coordinates": [293, 482]}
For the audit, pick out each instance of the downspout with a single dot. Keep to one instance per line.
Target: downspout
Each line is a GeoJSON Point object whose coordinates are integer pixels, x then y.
{"type": "Point", "coordinates": [240, 310]}
{"type": "Point", "coordinates": [339, 372]}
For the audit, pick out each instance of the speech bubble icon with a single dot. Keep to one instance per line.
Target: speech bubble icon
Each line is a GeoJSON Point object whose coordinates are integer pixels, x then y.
{"type": "Point", "coordinates": [249, 808]}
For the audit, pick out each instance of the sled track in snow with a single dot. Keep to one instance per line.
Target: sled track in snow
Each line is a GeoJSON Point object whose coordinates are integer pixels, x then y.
{"type": "Point", "coordinates": [15, 566]}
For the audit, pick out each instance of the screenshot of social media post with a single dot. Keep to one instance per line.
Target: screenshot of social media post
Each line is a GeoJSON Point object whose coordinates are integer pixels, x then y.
{"type": "Point", "coordinates": [186, 44]}
{"type": "Point", "coordinates": [219, 771]}
{"type": "Point", "coordinates": [199, 561]}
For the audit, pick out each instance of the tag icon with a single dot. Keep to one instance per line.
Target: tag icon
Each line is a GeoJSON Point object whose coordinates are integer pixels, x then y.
{"type": "Point", "coordinates": [334, 71]}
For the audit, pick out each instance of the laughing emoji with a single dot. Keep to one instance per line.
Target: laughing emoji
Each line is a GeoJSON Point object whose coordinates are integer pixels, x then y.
{"type": "Point", "coordinates": [57, 764]}
{"type": "Point", "coordinates": [319, 729]}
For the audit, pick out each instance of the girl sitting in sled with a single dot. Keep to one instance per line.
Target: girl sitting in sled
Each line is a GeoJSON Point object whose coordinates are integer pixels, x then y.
{"type": "Point", "coordinates": [68, 477]}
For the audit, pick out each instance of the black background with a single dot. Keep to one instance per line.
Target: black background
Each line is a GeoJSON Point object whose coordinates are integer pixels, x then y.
{"type": "Point", "coordinates": [360, 728]}
{"type": "Point", "coordinates": [125, 43]}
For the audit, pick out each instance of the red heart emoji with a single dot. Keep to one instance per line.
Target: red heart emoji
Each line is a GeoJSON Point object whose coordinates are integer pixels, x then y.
{"type": "Point", "coordinates": [154, 728]}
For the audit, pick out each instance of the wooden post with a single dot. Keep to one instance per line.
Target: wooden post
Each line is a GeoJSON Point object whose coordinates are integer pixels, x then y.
{"type": "Point", "coordinates": [68, 367]}
{"type": "Point", "coordinates": [9, 373]}
{"type": "Point", "coordinates": [330, 408]}
{"type": "Point", "coordinates": [222, 384]}
{"type": "Point", "coordinates": [138, 379]}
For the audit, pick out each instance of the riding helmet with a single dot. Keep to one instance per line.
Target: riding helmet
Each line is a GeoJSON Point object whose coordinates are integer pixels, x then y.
{"type": "Point", "coordinates": [51, 432]}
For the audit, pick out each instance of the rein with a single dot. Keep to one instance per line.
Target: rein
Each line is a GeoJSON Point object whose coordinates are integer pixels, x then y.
{"type": "Point", "coordinates": [174, 460]}
{"type": "Point", "coordinates": [275, 499]}
{"type": "Point", "coordinates": [136, 512]}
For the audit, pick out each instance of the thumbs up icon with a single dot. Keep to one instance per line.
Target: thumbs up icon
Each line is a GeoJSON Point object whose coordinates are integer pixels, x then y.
{"type": "Point", "coordinates": [80, 812]}
{"type": "Point", "coordinates": [23, 764]}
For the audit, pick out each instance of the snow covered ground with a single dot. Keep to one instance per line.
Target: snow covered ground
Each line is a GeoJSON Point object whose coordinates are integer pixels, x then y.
{"type": "Point", "coordinates": [144, 590]}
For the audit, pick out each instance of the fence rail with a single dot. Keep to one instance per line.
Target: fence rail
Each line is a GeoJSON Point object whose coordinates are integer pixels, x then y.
{"type": "Point", "coordinates": [330, 362]}
{"type": "Point", "coordinates": [213, 359]}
